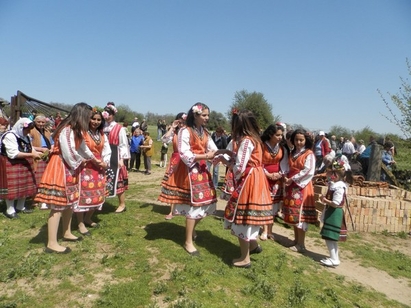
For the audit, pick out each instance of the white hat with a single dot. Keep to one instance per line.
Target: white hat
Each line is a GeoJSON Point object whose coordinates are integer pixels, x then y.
{"type": "Point", "coordinates": [321, 133]}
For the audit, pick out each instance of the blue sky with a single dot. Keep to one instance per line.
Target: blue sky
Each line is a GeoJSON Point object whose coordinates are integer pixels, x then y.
{"type": "Point", "coordinates": [318, 63]}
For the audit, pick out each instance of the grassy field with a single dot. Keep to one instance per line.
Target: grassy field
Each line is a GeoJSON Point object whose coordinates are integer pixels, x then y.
{"type": "Point", "coordinates": [136, 259]}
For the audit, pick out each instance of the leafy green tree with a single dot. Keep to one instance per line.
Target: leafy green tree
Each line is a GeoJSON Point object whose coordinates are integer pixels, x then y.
{"type": "Point", "coordinates": [256, 103]}
{"type": "Point", "coordinates": [217, 119]}
{"type": "Point", "coordinates": [402, 101]}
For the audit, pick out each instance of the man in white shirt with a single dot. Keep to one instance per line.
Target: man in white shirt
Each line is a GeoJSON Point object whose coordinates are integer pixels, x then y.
{"type": "Point", "coordinates": [135, 125]}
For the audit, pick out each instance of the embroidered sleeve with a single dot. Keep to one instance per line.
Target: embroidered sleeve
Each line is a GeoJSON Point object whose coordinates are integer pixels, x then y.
{"type": "Point", "coordinates": [303, 177]}
{"type": "Point", "coordinates": [123, 150]}
{"type": "Point", "coordinates": [187, 156]}
{"type": "Point", "coordinates": [243, 155]}
{"type": "Point", "coordinates": [68, 149]}
{"type": "Point", "coordinates": [106, 153]}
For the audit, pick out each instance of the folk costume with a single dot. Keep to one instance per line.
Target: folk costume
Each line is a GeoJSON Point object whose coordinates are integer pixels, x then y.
{"type": "Point", "coordinates": [93, 178]}
{"type": "Point", "coordinates": [275, 160]}
{"type": "Point", "coordinates": [195, 195]}
{"type": "Point", "coordinates": [117, 177]}
{"type": "Point", "coordinates": [17, 178]}
{"type": "Point", "coordinates": [250, 204]}
{"type": "Point", "coordinates": [299, 204]}
{"type": "Point", "coordinates": [41, 139]}
{"type": "Point", "coordinates": [169, 188]}
{"type": "Point", "coordinates": [59, 186]}
{"type": "Point", "coordinates": [334, 227]}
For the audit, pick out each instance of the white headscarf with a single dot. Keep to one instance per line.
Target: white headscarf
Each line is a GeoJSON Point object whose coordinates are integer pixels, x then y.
{"type": "Point", "coordinates": [17, 128]}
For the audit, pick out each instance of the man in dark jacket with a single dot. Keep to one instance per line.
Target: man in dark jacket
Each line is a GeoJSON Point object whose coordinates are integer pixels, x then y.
{"type": "Point", "coordinates": [220, 140]}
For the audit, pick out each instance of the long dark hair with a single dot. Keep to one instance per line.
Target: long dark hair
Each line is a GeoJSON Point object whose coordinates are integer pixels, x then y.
{"type": "Point", "coordinates": [180, 116]}
{"type": "Point", "coordinates": [191, 113]}
{"type": "Point", "coordinates": [94, 111]}
{"type": "Point", "coordinates": [78, 119]}
{"type": "Point", "coordinates": [308, 139]}
{"type": "Point", "coordinates": [244, 123]}
{"type": "Point", "coordinates": [270, 131]}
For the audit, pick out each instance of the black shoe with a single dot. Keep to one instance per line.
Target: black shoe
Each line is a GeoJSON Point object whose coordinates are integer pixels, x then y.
{"type": "Point", "coordinates": [25, 211]}
{"type": "Point", "coordinates": [79, 239]}
{"type": "Point", "coordinates": [49, 250]}
{"type": "Point", "coordinates": [87, 233]}
{"type": "Point", "coordinates": [194, 253]}
{"type": "Point", "coordinates": [258, 249]}
{"type": "Point", "coordinates": [11, 216]}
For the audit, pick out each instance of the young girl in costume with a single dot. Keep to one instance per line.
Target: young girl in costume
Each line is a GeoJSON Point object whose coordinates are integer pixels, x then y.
{"type": "Point", "coordinates": [169, 188]}
{"type": "Point", "coordinates": [275, 163]}
{"type": "Point", "coordinates": [117, 175]}
{"type": "Point", "coordinates": [334, 228]}
{"type": "Point", "coordinates": [93, 178]}
{"type": "Point", "coordinates": [299, 204]}
{"type": "Point", "coordinates": [59, 187]}
{"type": "Point", "coordinates": [196, 197]}
{"type": "Point", "coordinates": [250, 205]}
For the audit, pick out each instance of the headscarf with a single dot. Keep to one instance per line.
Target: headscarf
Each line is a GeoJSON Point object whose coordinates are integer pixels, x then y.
{"type": "Point", "coordinates": [21, 124]}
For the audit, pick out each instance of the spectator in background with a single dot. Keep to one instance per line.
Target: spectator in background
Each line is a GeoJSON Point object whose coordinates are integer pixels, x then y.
{"type": "Point", "coordinates": [159, 130]}
{"type": "Point", "coordinates": [348, 148]}
{"type": "Point", "coordinates": [361, 147]}
{"type": "Point", "coordinates": [148, 151]}
{"type": "Point", "coordinates": [387, 158]}
{"type": "Point", "coordinates": [220, 141]}
{"type": "Point", "coordinates": [333, 143]}
{"type": "Point", "coordinates": [135, 125]}
{"type": "Point", "coordinates": [341, 143]}
{"type": "Point", "coordinates": [321, 149]}
{"type": "Point", "coordinates": [144, 126]}
{"type": "Point", "coordinates": [393, 148]}
{"type": "Point", "coordinates": [163, 127]}
{"type": "Point", "coordinates": [136, 141]}
{"type": "Point", "coordinates": [32, 114]}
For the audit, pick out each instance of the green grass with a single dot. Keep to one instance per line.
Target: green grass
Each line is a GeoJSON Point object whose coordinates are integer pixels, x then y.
{"type": "Point", "coordinates": [136, 259]}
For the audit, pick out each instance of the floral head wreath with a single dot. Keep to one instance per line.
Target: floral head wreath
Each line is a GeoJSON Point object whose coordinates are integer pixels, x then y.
{"type": "Point", "coordinates": [112, 107]}
{"type": "Point", "coordinates": [105, 115]}
{"type": "Point", "coordinates": [198, 109]}
{"type": "Point", "coordinates": [338, 165]}
{"type": "Point", "coordinates": [184, 116]}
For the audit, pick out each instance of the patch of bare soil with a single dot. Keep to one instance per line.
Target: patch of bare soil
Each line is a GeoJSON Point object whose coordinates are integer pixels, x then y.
{"type": "Point", "coordinates": [398, 289]}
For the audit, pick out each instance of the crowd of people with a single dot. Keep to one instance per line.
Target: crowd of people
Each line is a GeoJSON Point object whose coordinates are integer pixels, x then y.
{"type": "Point", "coordinates": [268, 174]}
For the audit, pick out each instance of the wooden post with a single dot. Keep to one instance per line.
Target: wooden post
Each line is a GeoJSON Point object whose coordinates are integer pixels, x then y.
{"type": "Point", "coordinates": [374, 165]}
{"type": "Point", "coordinates": [13, 103]}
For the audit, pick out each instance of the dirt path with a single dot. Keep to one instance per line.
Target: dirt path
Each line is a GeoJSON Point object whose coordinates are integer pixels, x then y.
{"type": "Point", "coordinates": [394, 288]}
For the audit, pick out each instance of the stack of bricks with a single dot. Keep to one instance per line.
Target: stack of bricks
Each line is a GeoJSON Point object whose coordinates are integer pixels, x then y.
{"type": "Point", "coordinates": [374, 209]}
